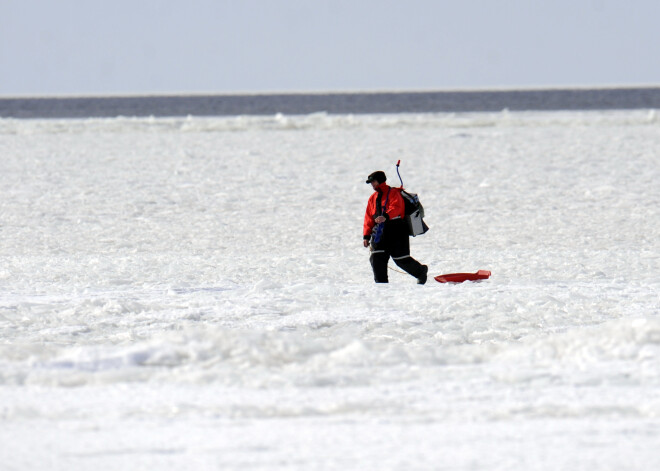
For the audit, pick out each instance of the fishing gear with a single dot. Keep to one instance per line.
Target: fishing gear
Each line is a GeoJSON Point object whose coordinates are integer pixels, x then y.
{"type": "Point", "coordinates": [414, 209]}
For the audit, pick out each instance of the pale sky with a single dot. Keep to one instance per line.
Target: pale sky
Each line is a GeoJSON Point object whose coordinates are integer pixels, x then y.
{"type": "Point", "coordinates": [72, 47]}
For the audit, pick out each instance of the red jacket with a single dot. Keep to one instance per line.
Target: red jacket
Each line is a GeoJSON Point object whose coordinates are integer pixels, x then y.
{"type": "Point", "coordinates": [396, 208]}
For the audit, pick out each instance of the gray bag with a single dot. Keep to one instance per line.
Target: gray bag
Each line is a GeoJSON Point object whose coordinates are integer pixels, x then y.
{"type": "Point", "coordinates": [414, 214]}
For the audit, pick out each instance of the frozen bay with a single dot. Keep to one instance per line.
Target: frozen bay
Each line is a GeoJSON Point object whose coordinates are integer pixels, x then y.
{"type": "Point", "coordinates": [193, 293]}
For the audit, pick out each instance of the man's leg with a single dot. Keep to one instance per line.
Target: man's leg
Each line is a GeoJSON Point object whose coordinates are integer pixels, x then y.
{"type": "Point", "coordinates": [378, 261]}
{"type": "Point", "coordinates": [412, 266]}
{"type": "Point", "coordinates": [401, 256]}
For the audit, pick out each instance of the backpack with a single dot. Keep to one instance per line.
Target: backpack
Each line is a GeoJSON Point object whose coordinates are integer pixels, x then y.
{"type": "Point", "coordinates": [414, 213]}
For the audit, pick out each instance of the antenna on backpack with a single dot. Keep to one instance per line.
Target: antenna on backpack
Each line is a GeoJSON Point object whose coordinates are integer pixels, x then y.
{"type": "Point", "coordinates": [397, 172]}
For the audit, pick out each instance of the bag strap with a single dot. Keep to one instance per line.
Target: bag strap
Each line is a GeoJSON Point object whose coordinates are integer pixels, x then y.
{"type": "Point", "coordinates": [387, 198]}
{"type": "Point", "coordinates": [379, 208]}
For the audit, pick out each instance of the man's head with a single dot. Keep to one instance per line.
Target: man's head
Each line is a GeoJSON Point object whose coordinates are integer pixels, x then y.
{"type": "Point", "coordinates": [377, 178]}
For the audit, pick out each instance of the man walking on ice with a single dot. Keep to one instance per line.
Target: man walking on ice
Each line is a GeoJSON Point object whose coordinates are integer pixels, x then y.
{"type": "Point", "coordinates": [386, 232]}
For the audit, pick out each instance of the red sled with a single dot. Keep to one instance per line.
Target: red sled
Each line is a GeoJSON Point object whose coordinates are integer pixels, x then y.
{"type": "Point", "coordinates": [461, 277]}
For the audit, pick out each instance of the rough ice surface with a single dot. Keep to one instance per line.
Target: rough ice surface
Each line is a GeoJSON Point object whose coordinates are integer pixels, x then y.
{"type": "Point", "coordinates": [194, 294]}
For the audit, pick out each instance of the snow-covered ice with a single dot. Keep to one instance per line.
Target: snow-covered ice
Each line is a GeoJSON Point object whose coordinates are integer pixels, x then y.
{"type": "Point", "coordinates": [193, 294]}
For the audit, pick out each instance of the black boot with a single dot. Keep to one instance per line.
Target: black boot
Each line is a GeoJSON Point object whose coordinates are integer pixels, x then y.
{"type": "Point", "coordinates": [422, 278]}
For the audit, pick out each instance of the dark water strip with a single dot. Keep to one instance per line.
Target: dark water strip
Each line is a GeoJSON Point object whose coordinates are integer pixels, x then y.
{"type": "Point", "coordinates": [333, 103]}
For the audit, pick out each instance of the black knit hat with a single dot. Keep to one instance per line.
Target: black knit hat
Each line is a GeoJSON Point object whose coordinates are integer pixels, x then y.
{"type": "Point", "coordinates": [378, 176]}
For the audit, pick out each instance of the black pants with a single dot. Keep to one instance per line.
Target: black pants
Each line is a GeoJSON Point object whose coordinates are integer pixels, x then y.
{"type": "Point", "coordinates": [394, 243]}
